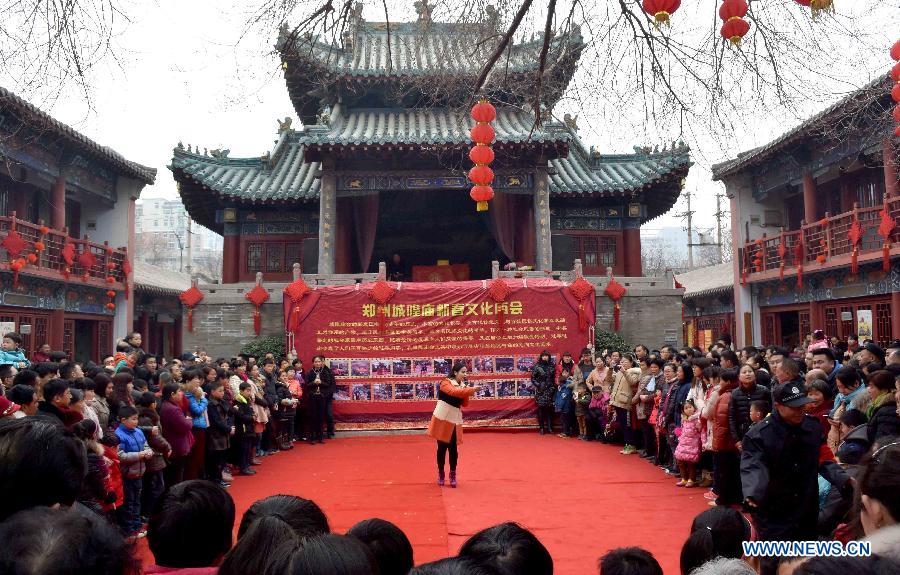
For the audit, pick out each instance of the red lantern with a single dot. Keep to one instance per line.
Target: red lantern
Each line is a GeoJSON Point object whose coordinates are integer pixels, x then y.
{"type": "Point", "coordinates": [483, 134]}
{"type": "Point", "coordinates": [735, 29]}
{"type": "Point", "coordinates": [481, 154]}
{"type": "Point", "coordinates": [110, 306]}
{"type": "Point", "coordinates": [895, 92]}
{"type": "Point", "coordinates": [484, 112]}
{"type": "Point", "coordinates": [110, 280]}
{"type": "Point", "coordinates": [481, 175]}
{"type": "Point", "coordinates": [110, 294]}
{"type": "Point", "coordinates": [895, 72]}
{"type": "Point", "coordinates": [661, 9]}
{"type": "Point", "coordinates": [39, 246]}
{"type": "Point", "coordinates": [897, 112]}
{"type": "Point", "coordinates": [31, 258]}
{"type": "Point", "coordinates": [482, 195]}
{"type": "Point", "coordinates": [499, 291]}
{"type": "Point", "coordinates": [895, 51]}
{"type": "Point", "coordinates": [381, 293]}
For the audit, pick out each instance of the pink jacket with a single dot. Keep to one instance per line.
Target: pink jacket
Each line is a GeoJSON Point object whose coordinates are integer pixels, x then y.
{"type": "Point", "coordinates": [689, 443]}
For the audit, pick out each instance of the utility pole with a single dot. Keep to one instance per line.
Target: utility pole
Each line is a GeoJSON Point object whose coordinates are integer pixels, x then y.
{"type": "Point", "coordinates": [190, 245]}
{"type": "Point", "coordinates": [719, 215]}
{"type": "Point", "coordinates": [689, 214]}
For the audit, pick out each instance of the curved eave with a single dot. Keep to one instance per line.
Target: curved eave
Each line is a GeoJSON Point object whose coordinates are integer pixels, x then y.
{"type": "Point", "coordinates": [721, 290]}
{"type": "Point", "coordinates": [550, 149]}
{"type": "Point", "coordinates": [156, 290]}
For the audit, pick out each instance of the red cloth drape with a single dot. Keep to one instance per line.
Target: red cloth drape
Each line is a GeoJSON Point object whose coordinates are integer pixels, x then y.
{"type": "Point", "coordinates": [512, 225]}
{"type": "Point", "coordinates": [365, 222]}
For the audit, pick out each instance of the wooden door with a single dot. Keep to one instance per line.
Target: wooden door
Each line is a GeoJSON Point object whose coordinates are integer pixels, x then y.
{"type": "Point", "coordinates": [69, 337]}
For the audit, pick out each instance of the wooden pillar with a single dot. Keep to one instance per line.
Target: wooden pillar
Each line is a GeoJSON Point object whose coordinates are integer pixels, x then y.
{"type": "Point", "coordinates": [888, 153]}
{"type": "Point", "coordinates": [231, 257]}
{"type": "Point", "coordinates": [56, 328]}
{"type": "Point", "coordinates": [327, 217]}
{"type": "Point", "coordinates": [631, 238]}
{"type": "Point", "coordinates": [145, 327]}
{"type": "Point", "coordinates": [543, 248]}
{"type": "Point", "coordinates": [176, 337]}
{"type": "Point", "coordinates": [343, 236]}
{"type": "Point", "coordinates": [810, 209]}
{"type": "Point", "coordinates": [58, 203]}
{"type": "Point", "coordinates": [895, 315]}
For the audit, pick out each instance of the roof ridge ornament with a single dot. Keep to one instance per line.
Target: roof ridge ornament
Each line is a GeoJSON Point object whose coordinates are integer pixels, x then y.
{"type": "Point", "coordinates": [423, 9]}
{"type": "Point", "coordinates": [284, 125]}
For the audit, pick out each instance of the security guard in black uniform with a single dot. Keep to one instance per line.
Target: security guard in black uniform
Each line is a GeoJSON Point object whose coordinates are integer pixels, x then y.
{"type": "Point", "coordinates": [781, 460]}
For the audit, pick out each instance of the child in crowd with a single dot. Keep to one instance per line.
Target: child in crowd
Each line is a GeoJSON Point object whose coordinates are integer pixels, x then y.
{"type": "Point", "coordinates": [687, 454]}
{"type": "Point", "coordinates": [597, 410]}
{"type": "Point", "coordinates": [759, 410]}
{"type": "Point", "coordinates": [133, 455]}
{"type": "Point", "coordinates": [220, 430]}
{"type": "Point", "coordinates": [564, 402]}
{"type": "Point", "coordinates": [245, 436]}
{"type": "Point", "coordinates": [94, 489]}
{"type": "Point", "coordinates": [286, 410]}
{"type": "Point", "coordinates": [110, 443]}
{"type": "Point", "coordinates": [126, 356]}
{"type": "Point", "coordinates": [11, 352]}
{"type": "Point", "coordinates": [582, 404]}
{"type": "Point", "coordinates": [153, 483]}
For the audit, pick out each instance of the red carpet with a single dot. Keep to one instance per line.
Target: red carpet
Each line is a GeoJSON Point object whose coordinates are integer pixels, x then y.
{"type": "Point", "coordinates": [581, 499]}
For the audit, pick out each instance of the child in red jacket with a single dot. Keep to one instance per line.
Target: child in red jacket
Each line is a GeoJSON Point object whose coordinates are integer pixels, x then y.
{"type": "Point", "coordinates": [110, 443]}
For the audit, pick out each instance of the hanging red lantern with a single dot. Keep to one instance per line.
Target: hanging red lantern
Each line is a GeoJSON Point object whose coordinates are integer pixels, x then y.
{"type": "Point", "coordinates": [483, 134]}
{"type": "Point", "coordinates": [855, 235]}
{"type": "Point", "coordinates": [126, 271]}
{"type": "Point", "coordinates": [31, 258]}
{"type": "Point", "coordinates": [39, 246]}
{"type": "Point", "coordinates": [615, 291]}
{"type": "Point", "coordinates": [110, 306]}
{"type": "Point", "coordinates": [110, 294]}
{"type": "Point", "coordinates": [817, 6]}
{"type": "Point", "coordinates": [481, 154]}
{"type": "Point", "coordinates": [895, 51]}
{"type": "Point", "coordinates": [885, 228]}
{"type": "Point", "coordinates": [482, 195]}
{"type": "Point", "coordinates": [732, 12]}
{"type": "Point", "coordinates": [895, 92]}
{"type": "Point", "coordinates": [661, 10]}
{"type": "Point", "coordinates": [484, 112]}
{"type": "Point", "coordinates": [257, 296]}
{"type": "Point", "coordinates": [481, 175]}
{"type": "Point", "coordinates": [191, 297]}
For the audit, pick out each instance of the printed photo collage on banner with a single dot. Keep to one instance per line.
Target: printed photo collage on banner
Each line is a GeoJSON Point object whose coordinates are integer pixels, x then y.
{"type": "Point", "coordinates": [398, 379]}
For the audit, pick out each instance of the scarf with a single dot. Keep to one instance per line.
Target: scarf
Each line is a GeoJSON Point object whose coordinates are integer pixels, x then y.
{"type": "Point", "coordinates": [876, 403]}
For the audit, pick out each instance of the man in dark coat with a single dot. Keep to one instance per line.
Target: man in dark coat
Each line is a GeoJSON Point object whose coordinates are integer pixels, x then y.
{"type": "Point", "coordinates": [221, 428]}
{"type": "Point", "coordinates": [542, 376]}
{"type": "Point", "coordinates": [739, 408]}
{"type": "Point", "coordinates": [781, 459]}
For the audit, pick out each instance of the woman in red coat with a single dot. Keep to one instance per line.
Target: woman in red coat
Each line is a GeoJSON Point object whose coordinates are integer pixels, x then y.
{"type": "Point", "coordinates": [446, 421]}
{"type": "Point", "coordinates": [725, 454]}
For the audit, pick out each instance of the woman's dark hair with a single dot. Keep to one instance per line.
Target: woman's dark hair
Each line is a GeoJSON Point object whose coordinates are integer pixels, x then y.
{"type": "Point", "coordinates": [457, 367]}
{"type": "Point", "coordinates": [195, 511]}
{"type": "Point", "coordinates": [304, 516]}
{"type": "Point", "coordinates": [547, 353]}
{"type": "Point", "coordinates": [822, 387]}
{"type": "Point", "coordinates": [77, 396]}
{"type": "Point", "coordinates": [880, 478]}
{"type": "Point", "coordinates": [761, 362]}
{"type": "Point", "coordinates": [169, 390]}
{"type": "Point", "coordinates": [451, 566]}
{"type": "Point", "coordinates": [883, 380]}
{"type": "Point", "coordinates": [41, 463]}
{"type": "Point", "coordinates": [258, 545]}
{"type": "Point", "coordinates": [686, 371]}
{"type": "Point", "coordinates": [146, 399]}
{"type": "Point", "coordinates": [728, 375]}
{"type": "Point", "coordinates": [85, 429]}
{"type": "Point", "coordinates": [853, 418]}
{"type": "Point", "coordinates": [392, 549]}
{"type": "Point", "coordinates": [710, 372]}
{"type": "Point", "coordinates": [717, 532]}
{"type": "Point", "coordinates": [101, 382]}
{"type": "Point", "coordinates": [87, 384]}
{"type": "Point", "coordinates": [58, 541]}
{"type": "Point", "coordinates": [508, 549]}
{"type": "Point", "coordinates": [629, 561]}
{"type": "Point", "coordinates": [120, 395]}
{"type": "Point", "coordinates": [238, 362]}
{"type": "Point", "coordinates": [21, 394]}
{"type": "Point", "coordinates": [871, 565]}
{"type": "Point", "coordinates": [849, 376]}
{"type": "Point", "coordinates": [327, 554]}
{"type": "Point", "coordinates": [700, 362]}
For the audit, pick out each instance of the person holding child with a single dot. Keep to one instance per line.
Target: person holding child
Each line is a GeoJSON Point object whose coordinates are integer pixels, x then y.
{"type": "Point", "coordinates": [11, 352]}
{"type": "Point", "coordinates": [687, 454]}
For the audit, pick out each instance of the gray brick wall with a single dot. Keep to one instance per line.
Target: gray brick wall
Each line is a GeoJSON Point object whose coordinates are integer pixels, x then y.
{"type": "Point", "coordinates": [222, 328]}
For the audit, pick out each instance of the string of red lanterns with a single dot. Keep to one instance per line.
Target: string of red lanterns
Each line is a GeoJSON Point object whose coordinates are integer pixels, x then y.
{"type": "Point", "coordinates": [895, 92]}
{"type": "Point", "coordinates": [482, 154]}
{"type": "Point", "coordinates": [661, 10]}
{"type": "Point", "coordinates": [732, 13]}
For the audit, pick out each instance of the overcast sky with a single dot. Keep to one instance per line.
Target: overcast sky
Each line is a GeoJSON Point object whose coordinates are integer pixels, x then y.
{"type": "Point", "coordinates": [183, 76]}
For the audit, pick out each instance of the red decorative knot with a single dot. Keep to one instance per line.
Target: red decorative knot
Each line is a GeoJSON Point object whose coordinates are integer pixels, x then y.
{"type": "Point", "coordinates": [13, 243]}
{"type": "Point", "coordinates": [855, 233]}
{"type": "Point", "coordinates": [661, 10]}
{"type": "Point", "coordinates": [498, 290]}
{"type": "Point", "coordinates": [68, 253]}
{"type": "Point", "coordinates": [296, 290]}
{"type": "Point", "coordinates": [886, 225]}
{"type": "Point", "coordinates": [191, 296]}
{"type": "Point", "coordinates": [614, 290]}
{"type": "Point", "coordinates": [87, 260]}
{"type": "Point", "coordinates": [257, 296]}
{"type": "Point", "coordinates": [126, 267]}
{"type": "Point", "coordinates": [382, 292]}
{"type": "Point", "coordinates": [582, 289]}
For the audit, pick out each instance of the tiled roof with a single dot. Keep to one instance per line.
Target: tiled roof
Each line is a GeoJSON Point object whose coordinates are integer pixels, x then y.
{"type": "Point", "coordinates": [29, 113]}
{"type": "Point", "coordinates": [426, 126]}
{"type": "Point", "coordinates": [710, 280]}
{"type": "Point", "coordinates": [581, 173]}
{"type": "Point", "coordinates": [868, 94]}
{"type": "Point", "coordinates": [154, 279]}
{"type": "Point", "coordinates": [417, 49]}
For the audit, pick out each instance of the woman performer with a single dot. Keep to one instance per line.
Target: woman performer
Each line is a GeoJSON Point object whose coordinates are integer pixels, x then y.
{"type": "Point", "coordinates": [446, 421]}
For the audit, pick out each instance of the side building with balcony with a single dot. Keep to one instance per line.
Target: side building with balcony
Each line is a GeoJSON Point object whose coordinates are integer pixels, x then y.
{"type": "Point", "coordinates": [806, 210]}
{"type": "Point", "coordinates": [71, 203]}
{"type": "Point", "coordinates": [707, 311]}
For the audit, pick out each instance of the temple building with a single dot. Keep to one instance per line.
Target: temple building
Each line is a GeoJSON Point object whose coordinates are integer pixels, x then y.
{"type": "Point", "coordinates": [809, 212]}
{"type": "Point", "coordinates": [378, 164]}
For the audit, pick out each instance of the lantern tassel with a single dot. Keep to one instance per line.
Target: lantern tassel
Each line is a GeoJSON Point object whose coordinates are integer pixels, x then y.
{"type": "Point", "coordinates": [886, 257]}
{"type": "Point", "coordinates": [481, 207]}
{"type": "Point", "coordinates": [582, 317]}
{"type": "Point", "coordinates": [800, 277]}
{"type": "Point", "coordinates": [190, 319]}
{"type": "Point", "coordinates": [295, 318]}
{"type": "Point", "coordinates": [616, 317]}
{"type": "Point", "coordinates": [501, 321]}
{"type": "Point", "coordinates": [257, 321]}
{"type": "Point", "coordinates": [781, 271]}
{"type": "Point", "coordinates": [854, 263]}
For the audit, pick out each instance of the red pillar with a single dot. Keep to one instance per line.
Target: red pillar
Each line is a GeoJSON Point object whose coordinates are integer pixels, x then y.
{"type": "Point", "coordinates": [56, 328]}
{"type": "Point", "coordinates": [810, 210]}
{"type": "Point", "coordinates": [631, 239]}
{"type": "Point", "coordinates": [231, 256]}
{"type": "Point", "coordinates": [58, 205]}
{"type": "Point", "coordinates": [895, 315]}
{"type": "Point", "coordinates": [890, 171]}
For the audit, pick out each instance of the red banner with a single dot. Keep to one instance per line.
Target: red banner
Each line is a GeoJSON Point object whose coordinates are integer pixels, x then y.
{"type": "Point", "coordinates": [388, 359]}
